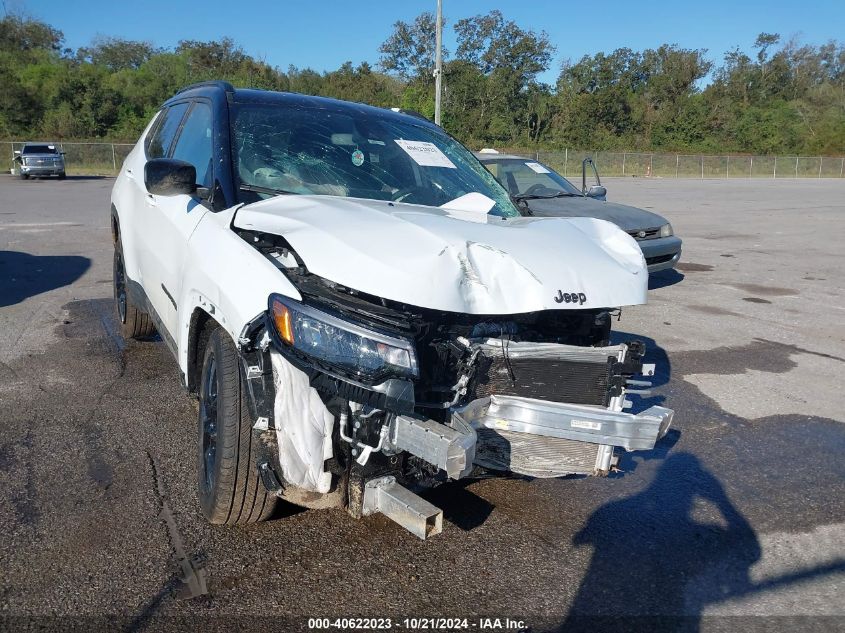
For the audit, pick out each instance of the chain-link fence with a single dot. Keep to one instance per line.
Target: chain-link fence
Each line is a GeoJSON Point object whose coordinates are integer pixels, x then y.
{"type": "Point", "coordinates": [106, 159]}
{"type": "Point", "coordinates": [103, 159]}
{"type": "Point", "coordinates": [568, 162]}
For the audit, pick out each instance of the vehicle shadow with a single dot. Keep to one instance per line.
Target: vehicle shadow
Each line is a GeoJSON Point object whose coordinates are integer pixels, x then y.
{"type": "Point", "coordinates": [23, 275]}
{"type": "Point", "coordinates": [664, 278]}
{"type": "Point", "coordinates": [461, 507]}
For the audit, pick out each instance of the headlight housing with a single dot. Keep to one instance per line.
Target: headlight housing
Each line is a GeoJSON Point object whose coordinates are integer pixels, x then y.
{"type": "Point", "coordinates": [352, 349]}
{"type": "Point", "coordinates": [666, 230]}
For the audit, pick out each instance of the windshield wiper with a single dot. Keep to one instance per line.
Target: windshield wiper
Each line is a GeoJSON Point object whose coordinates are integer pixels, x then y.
{"type": "Point", "coordinates": [561, 194]}
{"type": "Point", "coordinates": [267, 190]}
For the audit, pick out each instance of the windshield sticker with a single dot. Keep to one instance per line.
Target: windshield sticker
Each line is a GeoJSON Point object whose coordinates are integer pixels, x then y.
{"type": "Point", "coordinates": [537, 167]}
{"type": "Point", "coordinates": [373, 141]}
{"type": "Point", "coordinates": [426, 154]}
{"type": "Point", "coordinates": [357, 158]}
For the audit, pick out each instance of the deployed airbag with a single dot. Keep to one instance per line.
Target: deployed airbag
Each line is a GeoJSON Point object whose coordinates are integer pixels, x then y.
{"type": "Point", "coordinates": [303, 428]}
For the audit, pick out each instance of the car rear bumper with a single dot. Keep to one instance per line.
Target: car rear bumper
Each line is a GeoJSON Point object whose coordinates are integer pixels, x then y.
{"type": "Point", "coordinates": [661, 253]}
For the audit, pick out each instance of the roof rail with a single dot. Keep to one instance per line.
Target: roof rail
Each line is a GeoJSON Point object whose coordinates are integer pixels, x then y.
{"type": "Point", "coordinates": [211, 84]}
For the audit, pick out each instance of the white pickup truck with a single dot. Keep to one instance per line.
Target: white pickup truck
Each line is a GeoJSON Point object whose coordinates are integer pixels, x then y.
{"type": "Point", "coordinates": [363, 313]}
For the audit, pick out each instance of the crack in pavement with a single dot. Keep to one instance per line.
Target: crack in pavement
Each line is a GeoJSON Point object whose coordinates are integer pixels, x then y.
{"type": "Point", "coordinates": [192, 572]}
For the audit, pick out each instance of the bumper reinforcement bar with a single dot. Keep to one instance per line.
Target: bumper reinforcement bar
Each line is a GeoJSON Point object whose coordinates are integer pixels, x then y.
{"type": "Point", "coordinates": [569, 421]}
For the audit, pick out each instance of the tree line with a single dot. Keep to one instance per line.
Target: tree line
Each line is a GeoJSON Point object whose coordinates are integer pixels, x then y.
{"type": "Point", "coordinates": [787, 98]}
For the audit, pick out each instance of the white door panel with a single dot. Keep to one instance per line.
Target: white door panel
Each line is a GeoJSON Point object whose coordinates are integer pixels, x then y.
{"type": "Point", "coordinates": [176, 218]}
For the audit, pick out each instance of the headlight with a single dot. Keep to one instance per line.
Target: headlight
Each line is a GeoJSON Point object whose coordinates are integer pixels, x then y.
{"type": "Point", "coordinates": [666, 230]}
{"type": "Point", "coordinates": [351, 348]}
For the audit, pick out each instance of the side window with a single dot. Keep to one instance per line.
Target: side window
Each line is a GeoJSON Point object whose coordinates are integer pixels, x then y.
{"type": "Point", "coordinates": [194, 144]}
{"type": "Point", "coordinates": [166, 130]}
{"type": "Point", "coordinates": [153, 129]}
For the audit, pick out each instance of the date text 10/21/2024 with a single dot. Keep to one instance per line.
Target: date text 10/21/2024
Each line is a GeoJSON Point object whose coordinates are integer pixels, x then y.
{"type": "Point", "coordinates": [417, 624]}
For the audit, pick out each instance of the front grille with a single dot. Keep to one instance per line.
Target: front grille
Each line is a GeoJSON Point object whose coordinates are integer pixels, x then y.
{"type": "Point", "coordinates": [659, 259]}
{"type": "Point", "coordinates": [647, 234]}
{"type": "Point", "coordinates": [578, 381]}
{"type": "Point", "coordinates": [534, 455]}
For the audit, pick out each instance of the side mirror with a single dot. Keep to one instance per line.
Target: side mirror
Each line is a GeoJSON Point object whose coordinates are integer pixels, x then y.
{"type": "Point", "coordinates": [584, 190]}
{"type": "Point", "coordinates": [597, 191]}
{"type": "Point", "coordinates": [170, 177]}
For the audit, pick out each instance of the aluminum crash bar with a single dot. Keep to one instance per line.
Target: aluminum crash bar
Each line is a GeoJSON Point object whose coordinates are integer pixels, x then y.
{"type": "Point", "coordinates": [569, 421]}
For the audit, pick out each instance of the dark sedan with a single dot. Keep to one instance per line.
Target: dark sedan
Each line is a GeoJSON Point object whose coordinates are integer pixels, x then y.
{"type": "Point", "coordinates": [540, 191]}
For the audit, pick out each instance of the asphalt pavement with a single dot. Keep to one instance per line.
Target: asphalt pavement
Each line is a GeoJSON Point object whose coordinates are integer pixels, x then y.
{"type": "Point", "coordinates": [735, 521]}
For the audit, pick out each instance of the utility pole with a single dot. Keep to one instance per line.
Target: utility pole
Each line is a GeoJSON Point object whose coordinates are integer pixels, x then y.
{"type": "Point", "coordinates": [438, 62]}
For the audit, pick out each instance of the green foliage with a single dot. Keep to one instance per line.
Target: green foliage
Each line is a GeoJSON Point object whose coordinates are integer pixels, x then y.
{"type": "Point", "coordinates": [409, 51]}
{"type": "Point", "coordinates": [785, 98]}
{"type": "Point", "coordinates": [117, 54]}
{"type": "Point", "coordinates": [22, 35]}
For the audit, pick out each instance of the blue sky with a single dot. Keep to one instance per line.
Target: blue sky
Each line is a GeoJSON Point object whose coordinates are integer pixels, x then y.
{"type": "Point", "coordinates": [324, 34]}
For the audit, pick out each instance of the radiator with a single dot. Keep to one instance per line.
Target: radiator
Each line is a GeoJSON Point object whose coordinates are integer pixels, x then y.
{"type": "Point", "coordinates": [551, 372]}
{"type": "Point", "coordinates": [534, 455]}
{"type": "Point", "coordinates": [545, 371]}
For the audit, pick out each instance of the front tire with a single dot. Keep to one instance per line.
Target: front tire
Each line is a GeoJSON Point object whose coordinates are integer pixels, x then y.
{"type": "Point", "coordinates": [23, 176]}
{"type": "Point", "coordinates": [230, 490]}
{"type": "Point", "coordinates": [134, 323]}
{"type": "Point", "coordinates": [62, 176]}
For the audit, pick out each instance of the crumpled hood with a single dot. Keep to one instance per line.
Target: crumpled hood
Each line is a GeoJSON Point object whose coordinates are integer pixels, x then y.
{"type": "Point", "coordinates": [459, 262]}
{"type": "Point", "coordinates": [627, 218]}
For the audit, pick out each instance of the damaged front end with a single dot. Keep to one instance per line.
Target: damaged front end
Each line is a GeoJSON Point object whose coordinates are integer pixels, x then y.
{"type": "Point", "coordinates": [359, 400]}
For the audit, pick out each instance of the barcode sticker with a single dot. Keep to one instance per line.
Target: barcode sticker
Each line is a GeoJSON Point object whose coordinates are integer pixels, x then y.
{"type": "Point", "coordinates": [586, 424]}
{"type": "Point", "coordinates": [426, 154]}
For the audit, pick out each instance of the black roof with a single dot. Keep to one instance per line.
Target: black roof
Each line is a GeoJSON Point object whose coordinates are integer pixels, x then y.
{"type": "Point", "coordinates": [486, 157]}
{"type": "Point", "coordinates": [253, 95]}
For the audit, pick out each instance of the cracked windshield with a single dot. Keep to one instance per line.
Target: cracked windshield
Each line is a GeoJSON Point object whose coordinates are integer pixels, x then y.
{"type": "Point", "coordinates": [287, 150]}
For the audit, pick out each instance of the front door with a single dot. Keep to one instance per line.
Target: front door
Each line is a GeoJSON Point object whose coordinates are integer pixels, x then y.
{"type": "Point", "coordinates": [176, 217]}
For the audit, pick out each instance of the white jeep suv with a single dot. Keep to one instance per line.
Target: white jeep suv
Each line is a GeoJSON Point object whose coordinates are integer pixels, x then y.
{"type": "Point", "coordinates": [361, 310]}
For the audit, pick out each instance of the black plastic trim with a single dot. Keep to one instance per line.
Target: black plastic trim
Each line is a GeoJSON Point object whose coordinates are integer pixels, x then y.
{"type": "Point", "coordinates": [135, 292]}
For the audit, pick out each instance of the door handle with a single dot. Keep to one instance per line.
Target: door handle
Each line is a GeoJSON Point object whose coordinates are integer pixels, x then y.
{"type": "Point", "coordinates": [151, 201]}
